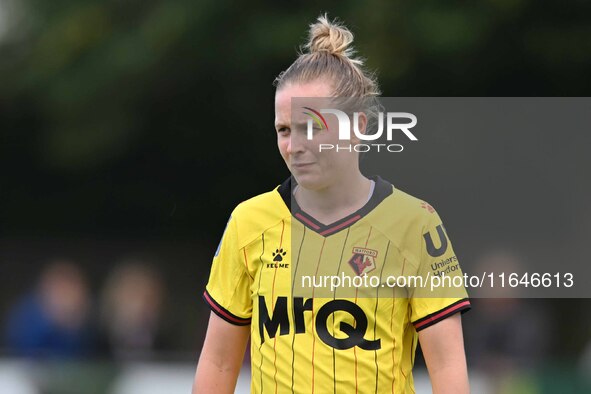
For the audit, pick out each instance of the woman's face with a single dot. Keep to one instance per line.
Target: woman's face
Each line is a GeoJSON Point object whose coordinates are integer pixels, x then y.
{"type": "Point", "coordinates": [313, 169]}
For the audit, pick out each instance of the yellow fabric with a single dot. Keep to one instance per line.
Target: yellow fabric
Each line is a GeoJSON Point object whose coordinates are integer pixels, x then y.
{"type": "Point", "coordinates": [293, 356]}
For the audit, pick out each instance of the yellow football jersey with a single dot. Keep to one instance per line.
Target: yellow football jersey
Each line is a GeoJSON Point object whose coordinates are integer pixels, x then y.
{"type": "Point", "coordinates": [307, 337]}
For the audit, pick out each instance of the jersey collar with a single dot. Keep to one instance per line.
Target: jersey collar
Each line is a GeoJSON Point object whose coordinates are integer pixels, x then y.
{"type": "Point", "coordinates": [382, 190]}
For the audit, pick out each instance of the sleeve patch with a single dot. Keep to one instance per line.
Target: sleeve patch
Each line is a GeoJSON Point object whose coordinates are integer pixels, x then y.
{"type": "Point", "coordinates": [435, 317]}
{"type": "Point", "coordinates": [223, 312]}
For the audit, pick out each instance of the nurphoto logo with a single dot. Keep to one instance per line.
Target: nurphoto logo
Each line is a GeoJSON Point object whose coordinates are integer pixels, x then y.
{"type": "Point", "coordinates": [392, 120]}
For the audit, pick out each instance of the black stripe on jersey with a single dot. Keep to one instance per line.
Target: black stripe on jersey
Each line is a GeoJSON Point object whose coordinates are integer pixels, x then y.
{"type": "Point", "coordinates": [292, 286]}
{"type": "Point", "coordinates": [223, 312]}
{"type": "Point", "coordinates": [462, 306]}
{"type": "Point", "coordinates": [375, 314]}
{"type": "Point", "coordinates": [415, 341]}
{"type": "Point", "coordinates": [334, 296]}
{"type": "Point", "coordinates": [258, 295]}
{"type": "Point", "coordinates": [382, 190]}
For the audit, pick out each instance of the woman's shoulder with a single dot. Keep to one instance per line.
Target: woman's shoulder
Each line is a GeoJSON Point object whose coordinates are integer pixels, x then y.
{"type": "Point", "coordinates": [404, 210]}
{"type": "Point", "coordinates": [400, 202]}
{"type": "Point", "coordinates": [259, 213]}
{"type": "Point", "coordinates": [413, 205]}
{"type": "Point", "coordinates": [270, 201]}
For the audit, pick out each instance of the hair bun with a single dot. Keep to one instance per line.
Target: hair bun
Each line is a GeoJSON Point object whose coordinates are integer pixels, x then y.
{"type": "Point", "coordinates": [331, 37]}
{"type": "Point", "coordinates": [329, 56]}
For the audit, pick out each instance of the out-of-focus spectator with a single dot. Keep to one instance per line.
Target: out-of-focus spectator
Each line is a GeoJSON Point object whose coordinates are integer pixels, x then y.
{"type": "Point", "coordinates": [131, 309]}
{"type": "Point", "coordinates": [53, 319]}
{"type": "Point", "coordinates": [507, 336]}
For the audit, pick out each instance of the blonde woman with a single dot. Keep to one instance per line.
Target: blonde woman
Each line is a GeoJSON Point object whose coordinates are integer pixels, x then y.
{"type": "Point", "coordinates": [328, 217]}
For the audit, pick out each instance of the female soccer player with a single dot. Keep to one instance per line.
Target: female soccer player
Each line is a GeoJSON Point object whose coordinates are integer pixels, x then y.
{"type": "Point", "coordinates": [330, 219]}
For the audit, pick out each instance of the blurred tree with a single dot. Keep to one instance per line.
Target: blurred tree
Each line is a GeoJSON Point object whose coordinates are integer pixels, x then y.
{"type": "Point", "coordinates": [109, 110]}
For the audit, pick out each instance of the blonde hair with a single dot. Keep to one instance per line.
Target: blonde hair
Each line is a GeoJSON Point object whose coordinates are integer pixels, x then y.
{"type": "Point", "coordinates": [329, 54]}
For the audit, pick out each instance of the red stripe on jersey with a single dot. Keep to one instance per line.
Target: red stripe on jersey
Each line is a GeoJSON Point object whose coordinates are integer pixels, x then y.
{"type": "Point", "coordinates": [282, 229]}
{"type": "Point", "coordinates": [246, 262]}
{"type": "Point", "coordinates": [339, 226]}
{"type": "Point", "coordinates": [273, 306]}
{"type": "Point", "coordinates": [307, 221]}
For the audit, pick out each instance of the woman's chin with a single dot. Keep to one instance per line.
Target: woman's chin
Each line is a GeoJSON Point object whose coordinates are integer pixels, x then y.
{"type": "Point", "coordinates": [310, 181]}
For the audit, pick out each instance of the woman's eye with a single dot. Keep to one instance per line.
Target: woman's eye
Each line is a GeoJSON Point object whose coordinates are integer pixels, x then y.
{"type": "Point", "coordinates": [283, 130]}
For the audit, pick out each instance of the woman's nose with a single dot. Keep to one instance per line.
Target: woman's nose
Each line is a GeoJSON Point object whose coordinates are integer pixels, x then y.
{"type": "Point", "coordinates": [296, 143]}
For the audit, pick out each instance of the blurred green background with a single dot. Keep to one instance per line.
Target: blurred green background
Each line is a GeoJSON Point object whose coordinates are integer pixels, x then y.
{"type": "Point", "coordinates": [116, 141]}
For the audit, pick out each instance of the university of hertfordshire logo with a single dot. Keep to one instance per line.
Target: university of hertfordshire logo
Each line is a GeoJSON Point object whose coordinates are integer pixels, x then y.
{"type": "Point", "coordinates": [363, 260]}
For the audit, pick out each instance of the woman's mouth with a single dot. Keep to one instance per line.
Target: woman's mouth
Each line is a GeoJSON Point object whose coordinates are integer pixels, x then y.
{"type": "Point", "coordinates": [301, 165]}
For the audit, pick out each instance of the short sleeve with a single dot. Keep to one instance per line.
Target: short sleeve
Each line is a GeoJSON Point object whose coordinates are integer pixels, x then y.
{"type": "Point", "coordinates": [228, 290]}
{"type": "Point", "coordinates": [442, 292]}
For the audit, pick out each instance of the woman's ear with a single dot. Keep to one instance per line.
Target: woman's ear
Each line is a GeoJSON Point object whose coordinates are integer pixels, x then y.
{"type": "Point", "coordinates": [361, 128]}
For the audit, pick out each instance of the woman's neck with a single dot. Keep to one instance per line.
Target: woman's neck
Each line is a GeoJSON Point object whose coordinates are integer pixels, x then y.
{"type": "Point", "coordinates": [335, 202]}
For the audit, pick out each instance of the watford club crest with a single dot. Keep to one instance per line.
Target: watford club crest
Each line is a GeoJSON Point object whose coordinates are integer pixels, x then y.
{"type": "Point", "coordinates": [363, 260]}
